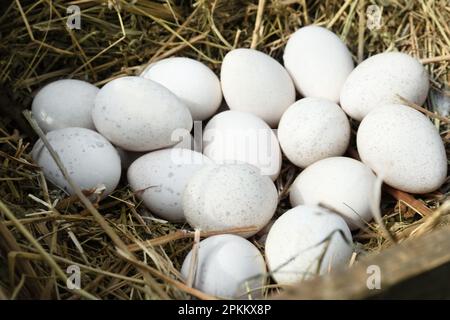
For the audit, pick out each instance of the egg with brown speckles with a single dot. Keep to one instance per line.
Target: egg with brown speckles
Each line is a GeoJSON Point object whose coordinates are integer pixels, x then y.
{"type": "Point", "coordinates": [89, 158]}
{"type": "Point", "coordinates": [138, 114]}
{"type": "Point", "coordinates": [380, 79]}
{"type": "Point", "coordinates": [341, 184]}
{"type": "Point", "coordinates": [402, 146]}
{"type": "Point", "coordinates": [227, 266]}
{"type": "Point", "coordinates": [160, 177]}
{"type": "Point", "coordinates": [307, 241]}
{"type": "Point", "coordinates": [313, 129]}
{"type": "Point", "coordinates": [229, 196]}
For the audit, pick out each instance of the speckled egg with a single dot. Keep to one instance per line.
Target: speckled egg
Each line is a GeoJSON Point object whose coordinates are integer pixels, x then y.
{"type": "Point", "coordinates": [138, 114]}
{"type": "Point", "coordinates": [318, 62]}
{"type": "Point", "coordinates": [160, 177]}
{"type": "Point", "coordinates": [234, 136]}
{"type": "Point", "coordinates": [221, 197]}
{"type": "Point", "coordinates": [402, 146]}
{"type": "Point", "coordinates": [89, 158]}
{"type": "Point", "coordinates": [341, 184]}
{"type": "Point", "coordinates": [191, 81]}
{"type": "Point", "coordinates": [379, 79]}
{"type": "Point", "coordinates": [307, 241]}
{"type": "Point", "coordinates": [228, 266]}
{"type": "Point", "coordinates": [254, 82]}
{"type": "Point", "coordinates": [64, 103]}
{"type": "Point", "coordinates": [313, 129]}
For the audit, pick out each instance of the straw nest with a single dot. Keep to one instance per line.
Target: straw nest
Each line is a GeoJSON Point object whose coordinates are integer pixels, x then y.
{"type": "Point", "coordinates": [124, 252]}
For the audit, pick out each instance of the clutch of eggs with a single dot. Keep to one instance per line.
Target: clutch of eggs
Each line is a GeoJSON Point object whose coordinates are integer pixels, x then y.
{"type": "Point", "coordinates": [224, 179]}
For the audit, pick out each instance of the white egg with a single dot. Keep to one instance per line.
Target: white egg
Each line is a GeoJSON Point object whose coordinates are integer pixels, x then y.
{"type": "Point", "coordinates": [191, 81]}
{"type": "Point", "coordinates": [254, 82]}
{"type": "Point", "coordinates": [307, 241]}
{"type": "Point", "coordinates": [64, 103]}
{"type": "Point", "coordinates": [234, 136]}
{"type": "Point", "coordinates": [160, 177]}
{"type": "Point", "coordinates": [221, 197]}
{"type": "Point", "coordinates": [318, 62]}
{"type": "Point", "coordinates": [341, 184]}
{"type": "Point", "coordinates": [89, 158]}
{"type": "Point", "coordinates": [186, 141]}
{"type": "Point", "coordinates": [228, 266]}
{"type": "Point", "coordinates": [138, 114]}
{"type": "Point", "coordinates": [313, 129]}
{"type": "Point", "coordinates": [402, 146]}
{"type": "Point", "coordinates": [379, 79]}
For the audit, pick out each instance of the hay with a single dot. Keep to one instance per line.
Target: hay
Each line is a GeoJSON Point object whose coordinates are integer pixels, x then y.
{"type": "Point", "coordinates": [127, 253]}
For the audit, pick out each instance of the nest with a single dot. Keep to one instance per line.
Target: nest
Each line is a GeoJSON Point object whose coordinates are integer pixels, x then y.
{"type": "Point", "coordinates": [124, 252]}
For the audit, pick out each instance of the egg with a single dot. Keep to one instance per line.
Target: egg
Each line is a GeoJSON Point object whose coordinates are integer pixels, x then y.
{"type": "Point", "coordinates": [380, 79]}
{"type": "Point", "coordinates": [160, 177]}
{"type": "Point", "coordinates": [89, 158]}
{"type": "Point", "coordinates": [228, 266]}
{"type": "Point", "coordinates": [341, 184]}
{"type": "Point", "coordinates": [313, 129]}
{"type": "Point", "coordinates": [64, 103]}
{"type": "Point", "coordinates": [221, 197]}
{"type": "Point", "coordinates": [186, 141]}
{"type": "Point", "coordinates": [234, 136]}
{"type": "Point", "coordinates": [191, 81]}
{"type": "Point", "coordinates": [318, 62]}
{"type": "Point", "coordinates": [138, 114]}
{"type": "Point", "coordinates": [254, 82]}
{"type": "Point", "coordinates": [307, 241]}
{"type": "Point", "coordinates": [403, 147]}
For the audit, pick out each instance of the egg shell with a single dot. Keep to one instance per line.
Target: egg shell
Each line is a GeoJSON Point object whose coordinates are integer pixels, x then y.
{"type": "Point", "coordinates": [64, 103]}
{"type": "Point", "coordinates": [228, 266]}
{"type": "Point", "coordinates": [313, 129]}
{"type": "Point", "coordinates": [191, 81]}
{"type": "Point", "coordinates": [160, 177]}
{"type": "Point", "coordinates": [341, 184]}
{"type": "Point", "coordinates": [138, 114]}
{"type": "Point", "coordinates": [379, 79]}
{"type": "Point", "coordinates": [234, 136]}
{"type": "Point", "coordinates": [402, 146]}
{"type": "Point", "coordinates": [186, 141]}
{"type": "Point", "coordinates": [88, 157]}
{"type": "Point", "coordinates": [221, 197]}
{"type": "Point", "coordinates": [318, 62]}
{"type": "Point", "coordinates": [254, 82]}
{"type": "Point", "coordinates": [298, 239]}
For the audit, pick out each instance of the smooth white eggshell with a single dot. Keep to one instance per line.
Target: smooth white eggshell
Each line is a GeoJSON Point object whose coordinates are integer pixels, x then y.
{"type": "Point", "coordinates": [234, 136]}
{"type": "Point", "coordinates": [88, 157]}
{"type": "Point", "coordinates": [297, 242]}
{"type": "Point", "coordinates": [186, 141]}
{"type": "Point", "coordinates": [191, 81]}
{"type": "Point", "coordinates": [138, 114]}
{"type": "Point", "coordinates": [64, 103]}
{"type": "Point", "coordinates": [228, 266]}
{"type": "Point", "coordinates": [160, 177]}
{"type": "Point", "coordinates": [402, 146]}
{"type": "Point", "coordinates": [221, 197]}
{"type": "Point", "coordinates": [318, 62]}
{"type": "Point", "coordinates": [254, 82]}
{"type": "Point", "coordinates": [379, 79]}
{"type": "Point", "coordinates": [313, 129]}
{"type": "Point", "coordinates": [341, 184]}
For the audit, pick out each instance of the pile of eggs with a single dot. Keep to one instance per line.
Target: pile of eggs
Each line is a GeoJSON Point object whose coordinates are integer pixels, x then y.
{"type": "Point", "coordinates": [225, 179]}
